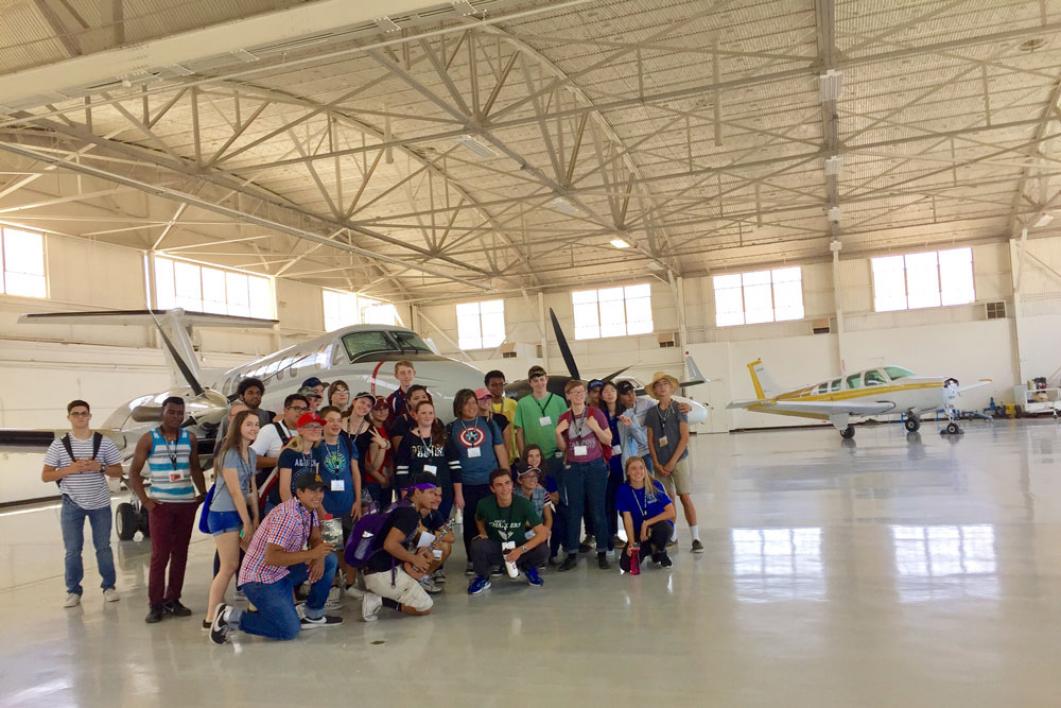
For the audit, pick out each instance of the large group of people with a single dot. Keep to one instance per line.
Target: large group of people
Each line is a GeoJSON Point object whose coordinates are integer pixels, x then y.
{"type": "Point", "coordinates": [357, 496]}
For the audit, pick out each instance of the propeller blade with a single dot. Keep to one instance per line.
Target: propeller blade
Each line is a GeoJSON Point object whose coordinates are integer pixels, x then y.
{"type": "Point", "coordinates": [565, 350]}
{"type": "Point", "coordinates": [612, 375]}
{"type": "Point", "coordinates": [181, 365]}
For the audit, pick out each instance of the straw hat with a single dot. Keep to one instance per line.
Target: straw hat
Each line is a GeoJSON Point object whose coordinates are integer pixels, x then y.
{"type": "Point", "coordinates": [656, 378]}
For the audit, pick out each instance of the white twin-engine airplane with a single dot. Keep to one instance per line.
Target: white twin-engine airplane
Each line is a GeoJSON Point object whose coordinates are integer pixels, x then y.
{"type": "Point", "coordinates": [885, 389]}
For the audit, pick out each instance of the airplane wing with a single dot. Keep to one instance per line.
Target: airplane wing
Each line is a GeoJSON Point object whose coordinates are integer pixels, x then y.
{"type": "Point", "coordinates": [979, 384]}
{"type": "Point", "coordinates": [22, 440]}
{"type": "Point", "coordinates": [823, 409]}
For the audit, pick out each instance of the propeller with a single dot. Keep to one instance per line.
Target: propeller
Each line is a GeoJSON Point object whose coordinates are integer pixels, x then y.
{"type": "Point", "coordinates": [185, 370]}
{"type": "Point", "coordinates": [565, 350]}
{"type": "Point", "coordinates": [612, 375]}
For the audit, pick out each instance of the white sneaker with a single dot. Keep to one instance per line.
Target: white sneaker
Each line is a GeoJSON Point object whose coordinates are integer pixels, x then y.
{"type": "Point", "coordinates": [335, 599]}
{"type": "Point", "coordinates": [354, 592]}
{"type": "Point", "coordinates": [111, 595]}
{"type": "Point", "coordinates": [72, 600]}
{"type": "Point", "coordinates": [429, 585]}
{"type": "Point", "coordinates": [370, 606]}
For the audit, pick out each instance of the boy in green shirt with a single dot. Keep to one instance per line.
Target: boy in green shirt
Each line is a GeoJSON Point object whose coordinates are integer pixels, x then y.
{"type": "Point", "coordinates": [510, 531]}
{"type": "Point", "coordinates": [537, 416]}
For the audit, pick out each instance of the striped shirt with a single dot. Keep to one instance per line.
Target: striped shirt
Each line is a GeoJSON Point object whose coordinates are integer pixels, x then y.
{"type": "Point", "coordinates": [169, 468]}
{"type": "Point", "coordinates": [288, 526]}
{"type": "Point", "coordinates": [88, 489]}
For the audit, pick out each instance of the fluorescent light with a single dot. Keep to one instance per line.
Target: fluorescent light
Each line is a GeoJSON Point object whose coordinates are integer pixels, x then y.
{"type": "Point", "coordinates": [833, 165]}
{"type": "Point", "coordinates": [477, 146]}
{"type": "Point", "coordinates": [463, 8]}
{"type": "Point", "coordinates": [832, 85]}
{"type": "Point", "coordinates": [1044, 220]}
{"type": "Point", "coordinates": [619, 243]}
{"type": "Point", "coordinates": [564, 205]}
{"type": "Point", "coordinates": [387, 24]}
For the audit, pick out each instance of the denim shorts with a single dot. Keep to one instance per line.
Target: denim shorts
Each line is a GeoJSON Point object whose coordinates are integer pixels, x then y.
{"type": "Point", "coordinates": [220, 522]}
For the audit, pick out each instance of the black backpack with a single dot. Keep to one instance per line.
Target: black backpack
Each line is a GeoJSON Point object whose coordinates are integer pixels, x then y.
{"type": "Point", "coordinates": [97, 440]}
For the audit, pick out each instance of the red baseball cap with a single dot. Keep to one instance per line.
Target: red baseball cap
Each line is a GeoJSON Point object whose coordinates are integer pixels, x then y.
{"type": "Point", "coordinates": [309, 418]}
{"type": "Point", "coordinates": [481, 393]}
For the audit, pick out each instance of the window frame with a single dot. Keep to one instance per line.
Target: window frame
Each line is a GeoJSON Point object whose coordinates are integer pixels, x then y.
{"type": "Point", "coordinates": [771, 272]}
{"type": "Point", "coordinates": [600, 321]}
{"type": "Point", "coordinates": [939, 279]}
{"type": "Point", "coordinates": [478, 315]}
{"type": "Point", "coordinates": [226, 272]}
{"type": "Point", "coordinates": [43, 275]}
{"type": "Point", "coordinates": [325, 292]}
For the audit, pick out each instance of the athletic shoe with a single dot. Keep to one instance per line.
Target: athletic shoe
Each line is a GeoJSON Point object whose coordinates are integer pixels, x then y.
{"type": "Point", "coordinates": [469, 570]}
{"type": "Point", "coordinates": [439, 576]}
{"type": "Point", "coordinates": [665, 561]}
{"type": "Point", "coordinates": [370, 606]}
{"type": "Point", "coordinates": [335, 599]}
{"type": "Point", "coordinates": [602, 561]}
{"type": "Point", "coordinates": [697, 546]}
{"type": "Point", "coordinates": [497, 571]}
{"type": "Point", "coordinates": [553, 560]}
{"type": "Point", "coordinates": [570, 562]}
{"type": "Point", "coordinates": [111, 595]}
{"type": "Point", "coordinates": [588, 543]}
{"type": "Point", "coordinates": [672, 543]}
{"type": "Point", "coordinates": [155, 614]}
{"type": "Point", "coordinates": [533, 579]}
{"type": "Point", "coordinates": [219, 629]}
{"type": "Point", "coordinates": [72, 600]}
{"type": "Point", "coordinates": [322, 621]}
{"type": "Point", "coordinates": [354, 592]}
{"type": "Point", "coordinates": [207, 624]}
{"type": "Point", "coordinates": [429, 585]}
{"type": "Point", "coordinates": [479, 585]}
{"type": "Point", "coordinates": [618, 542]}
{"type": "Point", "coordinates": [175, 608]}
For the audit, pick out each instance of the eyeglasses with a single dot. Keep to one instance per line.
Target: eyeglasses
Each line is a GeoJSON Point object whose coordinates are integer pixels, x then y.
{"type": "Point", "coordinates": [311, 426]}
{"type": "Point", "coordinates": [300, 409]}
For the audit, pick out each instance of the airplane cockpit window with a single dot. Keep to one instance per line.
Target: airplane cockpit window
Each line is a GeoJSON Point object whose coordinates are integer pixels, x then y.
{"type": "Point", "coordinates": [410, 341]}
{"type": "Point", "coordinates": [897, 372]}
{"type": "Point", "coordinates": [823, 388]}
{"type": "Point", "coordinates": [874, 377]}
{"type": "Point", "coordinates": [358, 344]}
{"type": "Point", "coordinates": [854, 381]}
{"type": "Point", "coordinates": [834, 385]}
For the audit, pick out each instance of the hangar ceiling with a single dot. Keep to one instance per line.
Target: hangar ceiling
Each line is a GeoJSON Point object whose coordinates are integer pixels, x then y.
{"type": "Point", "coordinates": [448, 150]}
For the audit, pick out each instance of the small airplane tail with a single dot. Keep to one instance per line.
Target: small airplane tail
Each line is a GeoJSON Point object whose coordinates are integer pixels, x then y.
{"type": "Point", "coordinates": [696, 377]}
{"type": "Point", "coordinates": [762, 382]}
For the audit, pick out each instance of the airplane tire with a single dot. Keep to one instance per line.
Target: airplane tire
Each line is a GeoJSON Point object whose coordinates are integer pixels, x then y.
{"type": "Point", "coordinates": [848, 432]}
{"type": "Point", "coordinates": [953, 429]}
{"type": "Point", "coordinates": [126, 521]}
{"type": "Point", "coordinates": [912, 424]}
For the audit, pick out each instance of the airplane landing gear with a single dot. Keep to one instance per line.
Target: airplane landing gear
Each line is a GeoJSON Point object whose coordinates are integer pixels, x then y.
{"type": "Point", "coordinates": [953, 429]}
{"type": "Point", "coordinates": [848, 433]}
{"type": "Point", "coordinates": [912, 423]}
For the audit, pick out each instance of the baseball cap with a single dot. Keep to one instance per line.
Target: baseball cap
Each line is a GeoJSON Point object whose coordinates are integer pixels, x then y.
{"type": "Point", "coordinates": [481, 393]}
{"type": "Point", "coordinates": [311, 382]}
{"type": "Point", "coordinates": [531, 470]}
{"type": "Point", "coordinates": [309, 481]}
{"type": "Point", "coordinates": [365, 394]}
{"type": "Point", "coordinates": [625, 387]}
{"type": "Point", "coordinates": [535, 371]}
{"type": "Point", "coordinates": [594, 383]}
{"type": "Point", "coordinates": [309, 392]}
{"type": "Point", "coordinates": [309, 418]}
{"type": "Point", "coordinates": [381, 403]}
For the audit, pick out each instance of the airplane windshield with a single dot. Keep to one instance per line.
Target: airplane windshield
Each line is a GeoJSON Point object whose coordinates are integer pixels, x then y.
{"type": "Point", "coordinates": [360, 344]}
{"type": "Point", "coordinates": [410, 341]}
{"type": "Point", "coordinates": [854, 381]}
{"type": "Point", "coordinates": [897, 372]}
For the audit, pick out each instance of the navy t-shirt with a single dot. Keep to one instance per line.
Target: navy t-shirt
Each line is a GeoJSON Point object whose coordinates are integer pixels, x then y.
{"type": "Point", "coordinates": [474, 441]}
{"type": "Point", "coordinates": [640, 503]}
{"type": "Point", "coordinates": [299, 463]}
{"type": "Point", "coordinates": [335, 471]}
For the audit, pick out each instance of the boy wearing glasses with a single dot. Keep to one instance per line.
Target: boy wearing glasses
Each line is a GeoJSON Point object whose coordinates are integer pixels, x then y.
{"type": "Point", "coordinates": [80, 462]}
{"type": "Point", "coordinates": [271, 441]}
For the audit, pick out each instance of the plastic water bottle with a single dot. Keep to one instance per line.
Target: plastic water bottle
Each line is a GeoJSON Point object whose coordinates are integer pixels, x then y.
{"type": "Point", "coordinates": [510, 566]}
{"type": "Point", "coordinates": [635, 561]}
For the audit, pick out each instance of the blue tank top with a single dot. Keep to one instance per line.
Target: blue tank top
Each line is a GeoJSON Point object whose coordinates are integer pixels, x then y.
{"type": "Point", "coordinates": [169, 468]}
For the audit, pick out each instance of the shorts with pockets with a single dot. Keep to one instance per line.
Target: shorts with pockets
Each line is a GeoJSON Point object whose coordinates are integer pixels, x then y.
{"type": "Point", "coordinates": [680, 481]}
{"type": "Point", "coordinates": [404, 590]}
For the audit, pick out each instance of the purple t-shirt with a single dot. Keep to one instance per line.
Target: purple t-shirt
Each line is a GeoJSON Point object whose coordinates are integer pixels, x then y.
{"type": "Point", "coordinates": [578, 433]}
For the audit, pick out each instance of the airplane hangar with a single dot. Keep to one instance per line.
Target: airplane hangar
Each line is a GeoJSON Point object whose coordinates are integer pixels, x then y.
{"type": "Point", "coordinates": [833, 221]}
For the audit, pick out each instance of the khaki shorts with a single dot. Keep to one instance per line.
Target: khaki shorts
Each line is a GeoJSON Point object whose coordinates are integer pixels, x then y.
{"type": "Point", "coordinates": [680, 481]}
{"type": "Point", "coordinates": [405, 589]}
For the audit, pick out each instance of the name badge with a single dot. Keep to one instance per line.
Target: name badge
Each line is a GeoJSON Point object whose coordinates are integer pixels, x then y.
{"type": "Point", "coordinates": [545, 421]}
{"type": "Point", "coordinates": [176, 476]}
{"type": "Point", "coordinates": [338, 485]}
{"type": "Point", "coordinates": [581, 450]}
{"type": "Point", "coordinates": [663, 442]}
{"type": "Point", "coordinates": [617, 449]}
{"type": "Point", "coordinates": [475, 452]}
{"type": "Point", "coordinates": [431, 468]}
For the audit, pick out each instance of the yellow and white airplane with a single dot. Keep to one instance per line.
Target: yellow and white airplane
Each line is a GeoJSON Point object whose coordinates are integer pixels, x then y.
{"type": "Point", "coordinates": [877, 391]}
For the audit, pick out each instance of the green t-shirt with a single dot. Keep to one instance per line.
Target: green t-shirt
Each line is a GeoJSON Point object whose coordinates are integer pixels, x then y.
{"type": "Point", "coordinates": [530, 413]}
{"type": "Point", "coordinates": [510, 523]}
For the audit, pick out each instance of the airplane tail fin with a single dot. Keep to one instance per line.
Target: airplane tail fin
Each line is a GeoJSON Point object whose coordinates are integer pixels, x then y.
{"type": "Point", "coordinates": [696, 377]}
{"type": "Point", "coordinates": [762, 382]}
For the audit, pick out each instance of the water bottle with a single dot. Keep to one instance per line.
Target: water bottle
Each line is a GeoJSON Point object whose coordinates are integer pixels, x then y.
{"type": "Point", "coordinates": [635, 561]}
{"type": "Point", "coordinates": [510, 566]}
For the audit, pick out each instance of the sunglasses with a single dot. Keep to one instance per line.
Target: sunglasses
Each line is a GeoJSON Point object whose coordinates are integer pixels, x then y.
{"type": "Point", "coordinates": [311, 426]}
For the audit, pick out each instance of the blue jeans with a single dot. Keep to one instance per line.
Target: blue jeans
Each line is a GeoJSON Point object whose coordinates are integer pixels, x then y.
{"type": "Point", "coordinates": [72, 521]}
{"type": "Point", "coordinates": [276, 617]}
{"type": "Point", "coordinates": [585, 483]}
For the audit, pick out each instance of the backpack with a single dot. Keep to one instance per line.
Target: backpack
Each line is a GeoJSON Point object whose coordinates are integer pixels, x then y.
{"type": "Point", "coordinates": [97, 440]}
{"type": "Point", "coordinates": [267, 479]}
{"type": "Point", "coordinates": [366, 538]}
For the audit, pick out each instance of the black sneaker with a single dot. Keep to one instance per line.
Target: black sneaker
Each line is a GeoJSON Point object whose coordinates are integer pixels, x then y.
{"type": "Point", "coordinates": [570, 562]}
{"type": "Point", "coordinates": [602, 561]}
{"type": "Point", "coordinates": [324, 621]}
{"type": "Point", "coordinates": [697, 546]}
{"type": "Point", "coordinates": [219, 628]}
{"type": "Point", "coordinates": [469, 570]}
{"type": "Point", "coordinates": [496, 571]}
{"type": "Point", "coordinates": [155, 614]}
{"type": "Point", "coordinates": [175, 608]}
{"type": "Point", "coordinates": [587, 545]}
{"type": "Point", "coordinates": [207, 624]}
{"type": "Point", "coordinates": [665, 561]}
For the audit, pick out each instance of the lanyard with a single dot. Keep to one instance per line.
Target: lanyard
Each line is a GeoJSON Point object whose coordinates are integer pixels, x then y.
{"type": "Point", "coordinates": [540, 406]}
{"type": "Point", "coordinates": [664, 415]}
{"type": "Point", "coordinates": [578, 423]}
{"type": "Point", "coordinates": [170, 451]}
{"type": "Point", "coordinates": [643, 508]}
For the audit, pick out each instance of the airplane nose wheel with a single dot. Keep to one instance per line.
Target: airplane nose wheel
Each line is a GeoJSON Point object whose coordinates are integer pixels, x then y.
{"type": "Point", "coordinates": [848, 433]}
{"type": "Point", "coordinates": [913, 423]}
{"type": "Point", "coordinates": [953, 429]}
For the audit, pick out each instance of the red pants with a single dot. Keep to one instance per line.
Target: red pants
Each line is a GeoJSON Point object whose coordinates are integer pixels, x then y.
{"type": "Point", "coordinates": [171, 531]}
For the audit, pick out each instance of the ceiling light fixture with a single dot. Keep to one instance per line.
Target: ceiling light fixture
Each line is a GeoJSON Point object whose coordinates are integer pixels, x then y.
{"type": "Point", "coordinates": [1044, 220]}
{"type": "Point", "coordinates": [619, 243]}
{"type": "Point", "coordinates": [387, 24]}
{"type": "Point", "coordinates": [832, 85]}
{"type": "Point", "coordinates": [833, 165]}
{"type": "Point", "coordinates": [564, 205]}
{"type": "Point", "coordinates": [477, 146]}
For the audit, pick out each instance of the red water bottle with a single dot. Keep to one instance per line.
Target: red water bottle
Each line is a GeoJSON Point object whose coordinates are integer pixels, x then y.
{"type": "Point", "coordinates": [635, 561]}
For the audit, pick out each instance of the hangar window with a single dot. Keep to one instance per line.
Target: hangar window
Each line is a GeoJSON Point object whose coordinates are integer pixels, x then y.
{"type": "Point", "coordinates": [222, 291]}
{"type": "Point", "coordinates": [22, 263]}
{"type": "Point", "coordinates": [376, 312]}
{"type": "Point", "coordinates": [917, 280]}
{"type": "Point", "coordinates": [612, 312]}
{"type": "Point", "coordinates": [762, 296]}
{"type": "Point", "coordinates": [343, 309]}
{"type": "Point", "coordinates": [481, 325]}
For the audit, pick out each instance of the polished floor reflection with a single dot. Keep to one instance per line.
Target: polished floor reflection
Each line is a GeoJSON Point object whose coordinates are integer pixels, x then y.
{"type": "Point", "coordinates": [896, 571]}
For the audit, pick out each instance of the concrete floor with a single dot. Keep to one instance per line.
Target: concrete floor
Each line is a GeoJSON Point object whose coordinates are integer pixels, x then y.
{"type": "Point", "coordinates": [892, 572]}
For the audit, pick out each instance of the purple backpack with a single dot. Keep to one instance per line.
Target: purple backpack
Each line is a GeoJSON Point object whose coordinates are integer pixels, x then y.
{"type": "Point", "coordinates": [366, 538]}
